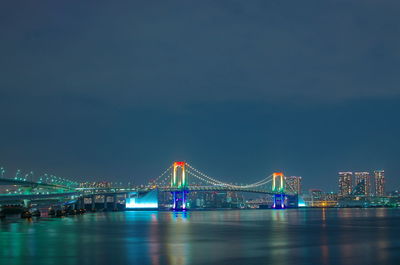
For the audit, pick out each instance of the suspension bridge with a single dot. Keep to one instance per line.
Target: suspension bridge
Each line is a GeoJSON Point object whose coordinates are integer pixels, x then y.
{"type": "Point", "coordinates": [179, 180]}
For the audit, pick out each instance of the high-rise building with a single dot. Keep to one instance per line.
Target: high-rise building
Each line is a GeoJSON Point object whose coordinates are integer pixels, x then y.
{"type": "Point", "coordinates": [293, 184]}
{"type": "Point", "coordinates": [363, 183]}
{"type": "Point", "coordinates": [379, 182]}
{"type": "Point", "coordinates": [345, 183]}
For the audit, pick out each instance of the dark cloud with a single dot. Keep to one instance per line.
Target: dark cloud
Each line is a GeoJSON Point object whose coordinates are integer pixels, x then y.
{"type": "Point", "coordinates": [242, 87]}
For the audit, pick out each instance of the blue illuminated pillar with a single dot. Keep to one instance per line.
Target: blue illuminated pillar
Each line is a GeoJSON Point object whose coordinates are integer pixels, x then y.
{"type": "Point", "coordinates": [179, 198]}
{"type": "Point", "coordinates": [174, 200]}
{"type": "Point", "coordinates": [279, 201]}
{"type": "Point", "coordinates": [183, 200]}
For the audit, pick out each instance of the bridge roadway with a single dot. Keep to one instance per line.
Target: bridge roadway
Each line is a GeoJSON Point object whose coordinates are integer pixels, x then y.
{"type": "Point", "coordinates": [21, 197]}
{"type": "Point", "coordinates": [73, 193]}
{"type": "Point", "coordinates": [88, 192]}
{"type": "Point", "coordinates": [27, 183]}
{"type": "Point", "coordinates": [219, 188]}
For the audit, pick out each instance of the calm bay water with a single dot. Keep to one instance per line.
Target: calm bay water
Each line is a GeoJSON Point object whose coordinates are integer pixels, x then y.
{"type": "Point", "coordinates": [296, 236]}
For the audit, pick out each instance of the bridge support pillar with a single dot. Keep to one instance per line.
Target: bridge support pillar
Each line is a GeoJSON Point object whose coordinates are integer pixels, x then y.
{"type": "Point", "coordinates": [179, 200]}
{"type": "Point", "coordinates": [82, 203]}
{"type": "Point", "coordinates": [105, 202]}
{"type": "Point", "coordinates": [27, 204]}
{"type": "Point", "coordinates": [93, 206]}
{"type": "Point", "coordinates": [279, 201]}
{"type": "Point", "coordinates": [115, 208]}
{"type": "Point", "coordinates": [78, 204]}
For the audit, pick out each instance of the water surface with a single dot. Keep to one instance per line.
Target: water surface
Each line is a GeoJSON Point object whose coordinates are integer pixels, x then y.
{"type": "Point", "coordinates": [296, 236]}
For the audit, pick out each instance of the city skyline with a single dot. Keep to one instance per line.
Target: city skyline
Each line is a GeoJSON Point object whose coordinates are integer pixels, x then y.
{"type": "Point", "coordinates": [363, 183]}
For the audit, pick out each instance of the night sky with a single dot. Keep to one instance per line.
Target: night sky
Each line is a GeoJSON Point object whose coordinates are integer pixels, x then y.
{"type": "Point", "coordinates": [239, 89]}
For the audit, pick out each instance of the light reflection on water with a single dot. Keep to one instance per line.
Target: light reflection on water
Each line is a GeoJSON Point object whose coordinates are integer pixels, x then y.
{"type": "Point", "coordinates": [296, 236]}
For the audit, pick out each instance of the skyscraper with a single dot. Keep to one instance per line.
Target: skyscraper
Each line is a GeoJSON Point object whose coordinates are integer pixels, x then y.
{"type": "Point", "coordinates": [345, 183]}
{"type": "Point", "coordinates": [379, 182]}
{"type": "Point", "coordinates": [363, 183]}
{"type": "Point", "coordinates": [293, 183]}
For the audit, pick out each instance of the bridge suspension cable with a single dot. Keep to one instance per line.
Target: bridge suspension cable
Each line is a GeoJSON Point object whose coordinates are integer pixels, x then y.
{"type": "Point", "coordinates": [155, 181]}
{"type": "Point", "coordinates": [216, 182]}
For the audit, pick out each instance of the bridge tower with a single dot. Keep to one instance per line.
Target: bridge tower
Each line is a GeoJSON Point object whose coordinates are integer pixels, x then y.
{"type": "Point", "coordinates": [278, 187]}
{"type": "Point", "coordinates": [179, 185]}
